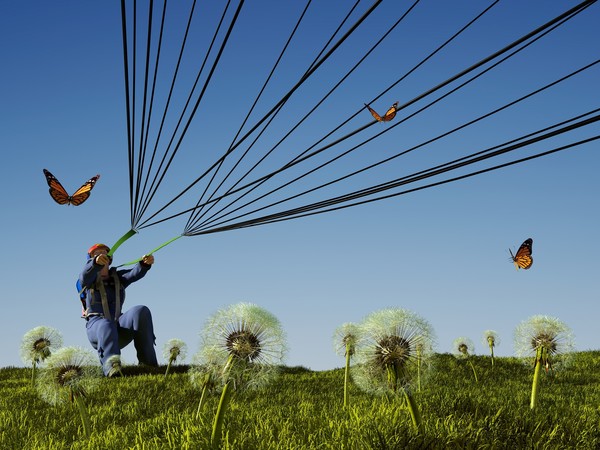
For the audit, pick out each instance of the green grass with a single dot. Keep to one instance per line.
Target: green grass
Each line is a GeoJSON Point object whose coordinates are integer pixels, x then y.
{"type": "Point", "coordinates": [304, 410]}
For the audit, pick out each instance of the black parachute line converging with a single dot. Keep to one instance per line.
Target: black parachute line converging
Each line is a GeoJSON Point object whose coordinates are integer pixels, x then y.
{"type": "Point", "coordinates": [314, 66]}
{"type": "Point", "coordinates": [350, 199]}
{"type": "Point", "coordinates": [303, 156]}
{"type": "Point", "coordinates": [416, 147]}
{"type": "Point", "coordinates": [476, 157]}
{"type": "Point", "coordinates": [239, 116]}
{"type": "Point", "coordinates": [194, 216]}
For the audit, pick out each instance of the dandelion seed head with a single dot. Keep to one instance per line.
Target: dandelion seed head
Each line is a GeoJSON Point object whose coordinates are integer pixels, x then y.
{"type": "Point", "coordinates": [544, 335]}
{"type": "Point", "coordinates": [67, 375]}
{"type": "Point", "coordinates": [544, 340]}
{"type": "Point", "coordinates": [393, 350]}
{"type": "Point", "coordinates": [243, 344]}
{"type": "Point", "coordinates": [42, 346]}
{"type": "Point", "coordinates": [245, 341]}
{"type": "Point", "coordinates": [463, 347]}
{"type": "Point", "coordinates": [345, 338]}
{"type": "Point", "coordinates": [174, 350]}
{"type": "Point", "coordinates": [203, 372]}
{"type": "Point", "coordinates": [490, 338]}
{"type": "Point", "coordinates": [39, 343]}
{"type": "Point", "coordinates": [393, 341]}
{"type": "Point", "coordinates": [68, 371]}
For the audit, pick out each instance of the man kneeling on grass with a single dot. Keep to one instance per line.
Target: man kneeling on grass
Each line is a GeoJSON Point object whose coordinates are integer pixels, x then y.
{"type": "Point", "coordinates": [108, 329]}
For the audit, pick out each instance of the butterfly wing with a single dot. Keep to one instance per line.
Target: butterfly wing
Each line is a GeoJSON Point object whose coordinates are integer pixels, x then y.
{"type": "Point", "coordinates": [390, 113]}
{"type": "Point", "coordinates": [57, 191]}
{"type": "Point", "coordinates": [523, 259]}
{"type": "Point", "coordinates": [82, 194]}
{"type": "Point", "coordinates": [374, 113]}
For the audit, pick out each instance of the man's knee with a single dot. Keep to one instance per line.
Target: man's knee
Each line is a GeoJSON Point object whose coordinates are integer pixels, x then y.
{"type": "Point", "coordinates": [143, 315]}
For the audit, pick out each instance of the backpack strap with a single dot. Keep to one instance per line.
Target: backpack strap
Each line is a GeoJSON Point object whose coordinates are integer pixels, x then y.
{"type": "Point", "coordinates": [117, 295]}
{"type": "Point", "coordinates": [103, 296]}
{"type": "Point", "coordinates": [99, 285]}
{"type": "Point", "coordinates": [102, 290]}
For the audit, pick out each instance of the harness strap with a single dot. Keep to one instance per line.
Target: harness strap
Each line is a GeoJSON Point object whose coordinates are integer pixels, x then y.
{"type": "Point", "coordinates": [104, 297]}
{"type": "Point", "coordinates": [100, 286]}
{"type": "Point", "coordinates": [118, 295]}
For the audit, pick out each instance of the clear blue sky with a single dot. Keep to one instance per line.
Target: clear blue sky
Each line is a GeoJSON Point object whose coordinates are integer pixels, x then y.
{"type": "Point", "coordinates": [441, 252]}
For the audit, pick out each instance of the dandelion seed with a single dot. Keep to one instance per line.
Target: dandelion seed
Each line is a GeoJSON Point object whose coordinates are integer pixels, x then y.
{"type": "Point", "coordinates": [546, 338]}
{"type": "Point", "coordinates": [394, 342]}
{"type": "Point", "coordinates": [462, 348]}
{"type": "Point", "coordinates": [491, 339]}
{"type": "Point", "coordinates": [38, 344]}
{"type": "Point", "coordinates": [69, 375]}
{"type": "Point", "coordinates": [344, 339]}
{"type": "Point", "coordinates": [174, 350]}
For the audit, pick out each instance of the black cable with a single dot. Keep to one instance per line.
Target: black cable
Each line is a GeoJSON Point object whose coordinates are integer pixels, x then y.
{"type": "Point", "coordinates": [259, 95]}
{"type": "Point", "coordinates": [194, 216]}
{"type": "Point", "coordinates": [127, 106]}
{"type": "Point", "coordinates": [452, 165]}
{"type": "Point", "coordinates": [149, 119]}
{"type": "Point", "coordinates": [452, 79]}
{"type": "Point", "coordinates": [564, 16]}
{"type": "Point", "coordinates": [511, 145]}
{"type": "Point", "coordinates": [273, 109]}
{"type": "Point", "coordinates": [304, 211]}
{"type": "Point", "coordinates": [510, 104]}
{"type": "Point", "coordinates": [168, 103]}
{"type": "Point", "coordinates": [267, 154]}
{"type": "Point", "coordinates": [195, 108]}
{"type": "Point", "coordinates": [133, 92]}
{"type": "Point", "coordinates": [141, 154]}
{"type": "Point", "coordinates": [553, 24]}
{"type": "Point", "coordinates": [301, 157]}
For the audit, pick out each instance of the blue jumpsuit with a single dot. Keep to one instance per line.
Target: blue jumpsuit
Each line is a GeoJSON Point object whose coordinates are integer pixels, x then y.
{"type": "Point", "coordinates": [109, 336]}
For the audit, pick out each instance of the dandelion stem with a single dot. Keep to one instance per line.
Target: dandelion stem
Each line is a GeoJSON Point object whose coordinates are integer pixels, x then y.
{"type": "Point", "coordinates": [419, 359]}
{"type": "Point", "coordinates": [168, 367]}
{"type": "Point", "coordinates": [33, 374]}
{"type": "Point", "coordinates": [83, 413]}
{"type": "Point", "coordinates": [474, 372]}
{"type": "Point", "coordinates": [215, 438]}
{"type": "Point", "coordinates": [414, 411]}
{"type": "Point", "coordinates": [346, 378]}
{"type": "Point", "coordinates": [536, 382]}
{"type": "Point", "coordinates": [202, 399]}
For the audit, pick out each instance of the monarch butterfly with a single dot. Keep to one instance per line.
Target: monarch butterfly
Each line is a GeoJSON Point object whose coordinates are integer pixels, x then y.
{"type": "Point", "coordinates": [60, 195]}
{"type": "Point", "coordinates": [389, 114]}
{"type": "Point", "coordinates": [523, 259]}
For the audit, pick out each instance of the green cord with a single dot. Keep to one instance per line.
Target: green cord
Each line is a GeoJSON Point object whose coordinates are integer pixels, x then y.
{"type": "Point", "coordinates": [152, 251]}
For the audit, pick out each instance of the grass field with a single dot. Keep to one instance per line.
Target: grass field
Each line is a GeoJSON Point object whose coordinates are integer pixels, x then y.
{"type": "Point", "coordinates": [304, 410]}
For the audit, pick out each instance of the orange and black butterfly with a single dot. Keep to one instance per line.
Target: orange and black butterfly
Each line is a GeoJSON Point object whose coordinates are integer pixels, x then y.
{"type": "Point", "coordinates": [523, 259]}
{"type": "Point", "coordinates": [60, 195]}
{"type": "Point", "coordinates": [389, 115]}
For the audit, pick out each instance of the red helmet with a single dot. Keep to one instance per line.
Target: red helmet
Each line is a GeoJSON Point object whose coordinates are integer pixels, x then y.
{"type": "Point", "coordinates": [96, 247]}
